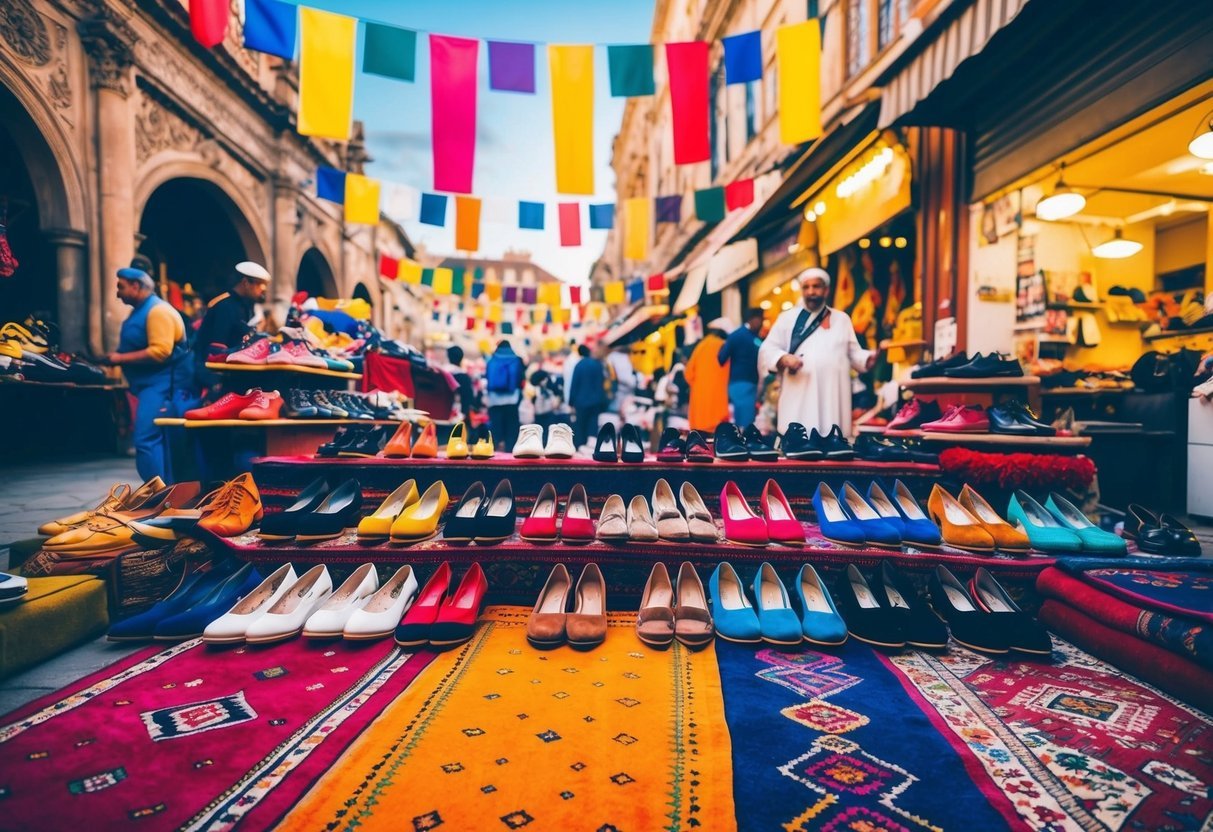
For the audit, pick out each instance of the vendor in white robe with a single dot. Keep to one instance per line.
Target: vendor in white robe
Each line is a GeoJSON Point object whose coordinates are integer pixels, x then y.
{"type": "Point", "coordinates": [815, 375]}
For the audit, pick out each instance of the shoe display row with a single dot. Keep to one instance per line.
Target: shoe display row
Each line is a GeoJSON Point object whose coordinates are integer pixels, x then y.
{"type": "Point", "coordinates": [626, 445]}
{"type": "Point", "coordinates": [674, 447]}
{"type": "Point", "coordinates": [530, 444]}
{"type": "Point", "coordinates": [289, 348]}
{"type": "Point", "coordinates": [875, 447]}
{"type": "Point", "coordinates": [884, 520]}
{"type": "Point", "coordinates": [231, 509]}
{"type": "Point", "coordinates": [960, 365]}
{"type": "Point", "coordinates": [28, 353]}
{"type": "Point", "coordinates": [257, 404]}
{"type": "Point", "coordinates": [797, 443]}
{"type": "Point", "coordinates": [320, 512]}
{"type": "Point", "coordinates": [682, 520]}
{"type": "Point", "coordinates": [1011, 417]}
{"type": "Point", "coordinates": [111, 530]}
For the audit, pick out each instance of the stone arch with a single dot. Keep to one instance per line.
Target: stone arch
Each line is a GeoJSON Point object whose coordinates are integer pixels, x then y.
{"type": "Point", "coordinates": [315, 275]}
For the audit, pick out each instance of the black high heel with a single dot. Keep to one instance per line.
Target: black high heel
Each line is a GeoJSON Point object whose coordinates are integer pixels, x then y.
{"type": "Point", "coordinates": [607, 447]}
{"type": "Point", "coordinates": [632, 449]}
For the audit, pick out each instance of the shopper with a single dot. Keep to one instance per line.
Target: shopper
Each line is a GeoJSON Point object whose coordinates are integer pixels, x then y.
{"type": "Point", "coordinates": [464, 391]}
{"type": "Point", "coordinates": [622, 375]}
{"type": "Point", "coordinates": [708, 379]}
{"type": "Point", "coordinates": [546, 401]}
{"type": "Point", "coordinates": [740, 355]}
{"type": "Point", "coordinates": [570, 364]}
{"type": "Point", "coordinates": [154, 356]}
{"type": "Point", "coordinates": [587, 395]}
{"type": "Point", "coordinates": [228, 317]}
{"type": "Point", "coordinates": [505, 376]}
{"type": "Point", "coordinates": [814, 348]}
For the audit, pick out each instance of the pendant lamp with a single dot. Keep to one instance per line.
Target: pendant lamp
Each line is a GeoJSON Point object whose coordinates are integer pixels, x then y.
{"type": "Point", "coordinates": [1062, 202]}
{"type": "Point", "coordinates": [1201, 145]}
{"type": "Point", "coordinates": [1116, 248]}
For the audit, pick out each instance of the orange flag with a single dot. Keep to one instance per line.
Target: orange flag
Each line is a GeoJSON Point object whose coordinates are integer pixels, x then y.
{"type": "Point", "coordinates": [467, 223]}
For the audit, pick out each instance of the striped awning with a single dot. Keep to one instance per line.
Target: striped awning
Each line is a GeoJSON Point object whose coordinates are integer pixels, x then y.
{"type": "Point", "coordinates": [960, 40]}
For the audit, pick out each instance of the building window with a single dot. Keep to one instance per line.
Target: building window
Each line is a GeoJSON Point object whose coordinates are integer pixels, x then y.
{"type": "Point", "coordinates": [892, 16]}
{"type": "Point", "coordinates": [751, 104]}
{"type": "Point", "coordinates": [859, 34]}
{"type": "Point", "coordinates": [716, 139]}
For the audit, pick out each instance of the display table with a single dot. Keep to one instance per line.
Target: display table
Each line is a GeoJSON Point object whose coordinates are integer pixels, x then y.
{"type": "Point", "coordinates": [281, 436]}
{"type": "Point", "coordinates": [63, 417]}
{"type": "Point", "coordinates": [983, 391]}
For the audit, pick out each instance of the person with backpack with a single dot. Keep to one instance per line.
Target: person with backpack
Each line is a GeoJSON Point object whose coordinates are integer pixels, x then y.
{"type": "Point", "coordinates": [505, 376]}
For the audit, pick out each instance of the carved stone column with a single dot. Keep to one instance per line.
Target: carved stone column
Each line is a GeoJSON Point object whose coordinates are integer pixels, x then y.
{"type": "Point", "coordinates": [71, 267]}
{"type": "Point", "coordinates": [289, 221]}
{"type": "Point", "coordinates": [108, 40]}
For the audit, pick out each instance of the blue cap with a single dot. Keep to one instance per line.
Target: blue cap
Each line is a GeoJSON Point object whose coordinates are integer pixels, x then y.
{"type": "Point", "coordinates": [129, 273]}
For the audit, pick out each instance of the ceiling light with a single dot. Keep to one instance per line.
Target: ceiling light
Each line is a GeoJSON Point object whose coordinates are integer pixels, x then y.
{"type": "Point", "coordinates": [1117, 248]}
{"type": "Point", "coordinates": [1202, 144]}
{"type": "Point", "coordinates": [765, 305]}
{"type": "Point", "coordinates": [865, 243]}
{"type": "Point", "coordinates": [901, 242]}
{"type": "Point", "coordinates": [1207, 169]}
{"type": "Point", "coordinates": [787, 304]}
{"type": "Point", "coordinates": [811, 216]}
{"type": "Point", "coordinates": [820, 207]}
{"type": "Point", "coordinates": [885, 242]}
{"type": "Point", "coordinates": [1062, 202]}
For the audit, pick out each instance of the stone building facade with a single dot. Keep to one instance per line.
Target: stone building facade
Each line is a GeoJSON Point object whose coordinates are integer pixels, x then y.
{"type": "Point", "coordinates": [120, 134]}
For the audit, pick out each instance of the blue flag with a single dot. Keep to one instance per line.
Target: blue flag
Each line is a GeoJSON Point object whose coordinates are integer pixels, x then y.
{"type": "Point", "coordinates": [270, 26]}
{"type": "Point", "coordinates": [530, 215]}
{"type": "Point", "coordinates": [743, 58]}
{"type": "Point", "coordinates": [602, 216]}
{"type": "Point", "coordinates": [636, 290]}
{"type": "Point", "coordinates": [433, 209]}
{"type": "Point", "coordinates": [330, 184]}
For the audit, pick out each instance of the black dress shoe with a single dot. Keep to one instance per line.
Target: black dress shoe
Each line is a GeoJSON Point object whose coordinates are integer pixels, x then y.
{"type": "Point", "coordinates": [346, 436]}
{"type": "Point", "coordinates": [497, 517]}
{"type": "Point", "coordinates": [697, 449]}
{"type": "Point", "coordinates": [730, 444]}
{"type": "Point", "coordinates": [461, 526]}
{"type": "Point", "coordinates": [922, 627]}
{"type": "Point", "coordinates": [607, 447]}
{"type": "Point", "coordinates": [339, 510]}
{"type": "Point", "coordinates": [1024, 633]}
{"type": "Point", "coordinates": [1005, 419]}
{"type": "Point", "coordinates": [971, 626]}
{"type": "Point", "coordinates": [836, 446]}
{"type": "Point", "coordinates": [936, 368]}
{"type": "Point", "coordinates": [876, 448]}
{"type": "Point", "coordinates": [919, 451]}
{"type": "Point", "coordinates": [796, 444]}
{"type": "Point", "coordinates": [368, 443]}
{"type": "Point", "coordinates": [278, 526]}
{"type": "Point", "coordinates": [986, 366]}
{"type": "Point", "coordinates": [867, 619]}
{"type": "Point", "coordinates": [761, 448]}
{"type": "Point", "coordinates": [631, 444]}
{"type": "Point", "coordinates": [1027, 417]}
{"type": "Point", "coordinates": [1160, 535]}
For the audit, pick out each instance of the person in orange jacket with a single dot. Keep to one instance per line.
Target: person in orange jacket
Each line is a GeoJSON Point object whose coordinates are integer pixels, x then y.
{"type": "Point", "coordinates": [709, 379]}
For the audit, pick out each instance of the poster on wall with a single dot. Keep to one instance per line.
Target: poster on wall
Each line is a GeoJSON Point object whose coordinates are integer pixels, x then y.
{"type": "Point", "coordinates": [1030, 301]}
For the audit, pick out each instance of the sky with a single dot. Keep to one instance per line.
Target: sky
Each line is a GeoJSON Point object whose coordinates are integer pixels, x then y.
{"type": "Point", "coordinates": [514, 155]}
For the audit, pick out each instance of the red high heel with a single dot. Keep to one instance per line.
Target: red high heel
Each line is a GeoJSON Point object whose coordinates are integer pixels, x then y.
{"type": "Point", "coordinates": [414, 628]}
{"type": "Point", "coordinates": [782, 525]}
{"type": "Point", "coordinates": [457, 619]}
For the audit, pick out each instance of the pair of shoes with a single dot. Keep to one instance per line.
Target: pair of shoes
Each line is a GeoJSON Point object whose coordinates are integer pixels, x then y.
{"type": "Point", "coordinates": [936, 369]}
{"type": "Point", "coordinates": [402, 445]}
{"type": "Point", "coordinates": [692, 521]}
{"type": "Point", "coordinates": [418, 520]}
{"type": "Point", "coordinates": [1017, 419]}
{"type": "Point", "coordinates": [318, 513]}
{"type": "Point", "coordinates": [673, 447]}
{"type": "Point", "coordinates": [983, 617]}
{"type": "Point", "coordinates": [960, 418]}
{"type": "Point", "coordinates": [626, 446]}
{"type": "Point", "coordinates": [886, 611]}
{"type": "Point", "coordinates": [851, 520]}
{"type": "Point", "coordinates": [634, 522]}
{"type": "Point", "coordinates": [797, 443]}
{"type": "Point", "coordinates": [530, 442]}
{"type": "Point", "coordinates": [875, 447]}
{"type": "Point", "coordinates": [232, 405]}
{"type": "Point", "coordinates": [229, 510]}
{"type": "Point", "coordinates": [970, 523]}
{"type": "Point", "coordinates": [111, 531]}
{"type": "Point", "coordinates": [551, 625]}
{"type": "Point", "coordinates": [120, 498]}
{"type": "Point", "coordinates": [360, 609]}
{"type": "Point", "coordinates": [1058, 526]}
{"type": "Point", "coordinates": [482, 520]}
{"type": "Point", "coordinates": [913, 414]}
{"type": "Point", "coordinates": [985, 366]}
{"type": "Point", "coordinates": [355, 441]}
{"type": "Point", "coordinates": [544, 524]}
{"type": "Point", "coordinates": [775, 524]}
{"type": "Point", "coordinates": [1160, 534]}
{"type": "Point", "coordinates": [276, 610]}
{"type": "Point", "coordinates": [199, 600]}
{"type": "Point", "coordinates": [771, 618]}
{"type": "Point", "coordinates": [377, 526]}
{"type": "Point", "coordinates": [440, 616]}
{"type": "Point", "coordinates": [734, 445]}
{"type": "Point", "coordinates": [666, 615]}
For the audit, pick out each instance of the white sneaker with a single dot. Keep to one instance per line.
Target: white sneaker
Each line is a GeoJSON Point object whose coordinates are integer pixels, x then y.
{"type": "Point", "coordinates": [231, 627]}
{"type": "Point", "coordinates": [560, 442]}
{"type": "Point", "coordinates": [329, 621]}
{"type": "Point", "coordinates": [383, 610]}
{"type": "Point", "coordinates": [530, 442]}
{"type": "Point", "coordinates": [285, 619]}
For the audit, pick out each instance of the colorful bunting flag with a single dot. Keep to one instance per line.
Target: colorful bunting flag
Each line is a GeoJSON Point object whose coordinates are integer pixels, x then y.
{"type": "Point", "coordinates": [529, 296]}
{"type": "Point", "coordinates": [389, 51]}
{"type": "Point", "coordinates": [433, 209]}
{"type": "Point", "coordinates": [637, 220]}
{"type": "Point", "coordinates": [511, 66]}
{"type": "Point", "coordinates": [453, 111]}
{"type": "Point", "coordinates": [574, 294]}
{"type": "Point", "coordinates": [271, 26]}
{"type": "Point", "coordinates": [511, 294]}
{"type": "Point", "coordinates": [326, 73]}
{"type": "Point", "coordinates": [467, 223]}
{"type": "Point", "coordinates": [493, 291]}
{"type": "Point", "coordinates": [657, 283]}
{"type": "Point", "coordinates": [798, 58]}
{"type": "Point", "coordinates": [572, 71]}
{"type": "Point", "coordinates": [613, 293]}
{"type": "Point", "coordinates": [602, 216]}
{"type": "Point", "coordinates": [549, 294]}
{"type": "Point", "coordinates": [669, 208]}
{"type": "Point", "coordinates": [709, 204]}
{"type": "Point", "coordinates": [410, 272]}
{"type": "Point", "coordinates": [631, 69]}
{"type": "Point", "coordinates": [442, 281]}
{"type": "Point", "coordinates": [636, 290]}
{"type": "Point", "coordinates": [208, 21]}
{"type": "Point", "coordinates": [361, 199]}
{"type": "Point", "coordinates": [530, 215]}
{"type": "Point", "coordinates": [688, 70]}
{"type": "Point", "coordinates": [507, 328]}
{"type": "Point", "coordinates": [570, 223]}
{"type": "Point", "coordinates": [330, 184]}
{"type": "Point", "coordinates": [389, 267]}
{"type": "Point", "coordinates": [739, 194]}
{"type": "Point", "coordinates": [477, 288]}
{"type": "Point", "coordinates": [458, 282]}
{"type": "Point", "coordinates": [427, 277]}
{"type": "Point", "coordinates": [743, 58]}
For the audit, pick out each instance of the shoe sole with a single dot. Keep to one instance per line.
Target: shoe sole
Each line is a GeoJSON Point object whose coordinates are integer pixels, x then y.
{"type": "Point", "coordinates": [276, 537]}
{"type": "Point", "coordinates": [791, 544]}
{"type": "Point", "coordinates": [658, 645]}
{"type": "Point", "coordinates": [744, 543]}
{"type": "Point", "coordinates": [372, 538]}
{"type": "Point", "coordinates": [450, 643]}
{"type": "Point", "coordinates": [405, 541]}
{"type": "Point", "coordinates": [232, 640]}
{"type": "Point", "coordinates": [528, 456]}
{"type": "Point", "coordinates": [770, 458]}
{"type": "Point", "coordinates": [784, 643]}
{"type": "Point", "coordinates": [927, 646]}
{"type": "Point", "coordinates": [840, 455]}
{"type": "Point", "coordinates": [1031, 652]}
{"type": "Point", "coordinates": [490, 541]}
{"type": "Point", "coordinates": [739, 640]}
{"type": "Point", "coordinates": [805, 457]}
{"type": "Point", "coordinates": [316, 538]}
{"type": "Point", "coordinates": [365, 636]}
{"type": "Point", "coordinates": [692, 644]}
{"type": "Point", "coordinates": [544, 645]}
{"type": "Point", "coordinates": [586, 645]}
{"type": "Point", "coordinates": [606, 539]}
{"type": "Point", "coordinates": [847, 543]}
{"type": "Point", "coordinates": [701, 460]}
{"type": "Point", "coordinates": [274, 639]}
{"type": "Point", "coordinates": [412, 643]}
{"type": "Point", "coordinates": [575, 541]}
{"type": "Point", "coordinates": [976, 549]}
{"type": "Point", "coordinates": [891, 645]}
{"type": "Point", "coordinates": [530, 539]}
{"type": "Point", "coordinates": [318, 636]}
{"type": "Point", "coordinates": [458, 540]}
{"type": "Point", "coordinates": [559, 456]}
{"type": "Point", "coordinates": [825, 643]}
{"type": "Point", "coordinates": [986, 650]}
{"type": "Point", "coordinates": [734, 457]}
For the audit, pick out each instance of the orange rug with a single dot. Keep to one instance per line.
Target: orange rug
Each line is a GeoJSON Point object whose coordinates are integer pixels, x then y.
{"type": "Point", "coordinates": [499, 735]}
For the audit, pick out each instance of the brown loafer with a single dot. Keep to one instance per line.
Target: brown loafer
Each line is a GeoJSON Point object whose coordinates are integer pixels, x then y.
{"type": "Point", "coordinates": [546, 626]}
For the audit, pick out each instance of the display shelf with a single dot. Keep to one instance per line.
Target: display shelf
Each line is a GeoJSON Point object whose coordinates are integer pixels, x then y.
{"type": "Point", "coordinates": [1183, 333]}
{"type": "Point", "coordinates": [1005, 440]}
{"type": "Point", "coordinates": [956, 385]}
{"type": "Point", "coordinates": [268, 423]}
{"type": "Point", "coordinates": [1082, 391]}
{"type": "Point", "coordinates": [63, 385]}
{"type": "Point", "coordinates": [1077, 305]}
{"type": "Point", "coordinates": [279, 368]}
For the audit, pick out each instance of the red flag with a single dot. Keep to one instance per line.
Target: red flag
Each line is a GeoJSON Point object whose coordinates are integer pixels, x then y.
{"type": "Point", "coordinates": [656, 282]}
{"type": "Point", "coordinates": [470, 323]}
{"type": "Point", "coordinates": [739, 194]}
{"type": "Point", "coordinates": [208, 21]}
{"type": "Point", "coordinates": [574, 295]}
{"type": "Point", "coordinates": [570, 223]}
{"type": "Point", "coordinates": [453, 114]}
{"type": "Point", "coordinates": [688, 69]}
{"type": "Point", "coordinates": [388, 266]}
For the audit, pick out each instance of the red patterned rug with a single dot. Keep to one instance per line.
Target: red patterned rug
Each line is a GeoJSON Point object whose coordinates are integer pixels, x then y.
{"type": "Point", "coordinates": [193, 737]}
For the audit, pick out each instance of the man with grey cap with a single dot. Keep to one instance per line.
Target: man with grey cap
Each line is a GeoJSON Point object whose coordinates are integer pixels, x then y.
{"type": "Point", "coordinates": [226, 323]}
{"type": "Point", "coordinates": [154, 356]}
{"type": "Point", "coordinates": [813, 347]}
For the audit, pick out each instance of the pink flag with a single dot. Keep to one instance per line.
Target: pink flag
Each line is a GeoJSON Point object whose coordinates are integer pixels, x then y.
{"type": "Point", "coordinates": [688, 69]}
{"type": "Point", "coordinates": [453, 111]}
{"type": "Point", "coordinates": [570, 223]}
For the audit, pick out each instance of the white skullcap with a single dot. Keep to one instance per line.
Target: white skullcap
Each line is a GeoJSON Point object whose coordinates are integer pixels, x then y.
{"type": "Point", "coordinates": [253, 270]}
{"type": "Point", "coordinates": [810, 274]}
{"type": "Point", "coordinates": [723, 324]}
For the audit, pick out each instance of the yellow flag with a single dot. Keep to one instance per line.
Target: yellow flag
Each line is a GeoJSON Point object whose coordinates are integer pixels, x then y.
{"type": "Point", "coordinates": [409, 272]}
{"type": "Point", "coordinates": [613, 292]}
{"type": "Point", "coordinates": [361, 199]}
{"type": "Point", "coordinates": [637, 221]}
{"type": "Point", "coordinates": [549, 294]}
{"type": "Point", "coordinates": [443, 281]}
{"type": "Point", "coordinates": [326, 73]}
{"type": "Point", "coordinates": [493, 290]}
{"type": "Point", "coordinates": [572, 69]}
{"type": "Point", "coordinates": [798, 58]}
{"type": "Point", "coordinates": [495, 313]}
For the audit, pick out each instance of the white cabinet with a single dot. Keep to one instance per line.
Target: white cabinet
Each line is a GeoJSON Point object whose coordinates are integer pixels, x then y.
{"type": "Point", "coordinates": [1200, 457]}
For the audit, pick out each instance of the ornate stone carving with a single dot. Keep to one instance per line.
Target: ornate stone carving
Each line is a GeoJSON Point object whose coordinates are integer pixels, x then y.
{"type": "Point", "coordinates": [25, 31]}
{"type": "Point", "coordinates": [59, 87]}
{"type": "Point", "coordinates": [108, 39]}
{"type": "Point", "coordinates": [158, 129]}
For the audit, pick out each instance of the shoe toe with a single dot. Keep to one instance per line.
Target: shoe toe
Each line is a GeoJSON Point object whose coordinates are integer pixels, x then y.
{"type": "Point", "coordinates": [824, 628]}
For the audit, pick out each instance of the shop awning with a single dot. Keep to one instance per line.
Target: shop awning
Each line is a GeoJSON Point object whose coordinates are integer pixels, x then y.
{"type": "Point", "coordinates": [631, 322]}
{"type": "Point", "coordinates": [963, 38]}
{"type": "Point", "coordinates": [692, 289]}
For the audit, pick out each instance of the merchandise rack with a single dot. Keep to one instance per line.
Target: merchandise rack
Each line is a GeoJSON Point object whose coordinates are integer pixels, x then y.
{"type": "Point", "coordinates": [280, 368]}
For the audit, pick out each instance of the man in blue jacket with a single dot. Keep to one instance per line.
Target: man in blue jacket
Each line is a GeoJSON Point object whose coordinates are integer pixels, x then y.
{"type": "Point", "coordinates": [741, 349]}
{"type": "Point", "coordinates": [587, 396]}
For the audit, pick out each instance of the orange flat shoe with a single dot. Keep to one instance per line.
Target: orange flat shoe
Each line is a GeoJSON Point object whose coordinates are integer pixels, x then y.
{"type": "Point", "coordinates": [426, 446]}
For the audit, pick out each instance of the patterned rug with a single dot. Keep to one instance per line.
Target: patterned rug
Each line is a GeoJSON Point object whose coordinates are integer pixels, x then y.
{"type": "Point", "coordinates": [193, 737]}
{"type": "Point", "coordinates": [498, 735]}
{"type": "Point", "coordinates": [854, 739]}
{"type": "Point", "coordinates": [1180, 586]}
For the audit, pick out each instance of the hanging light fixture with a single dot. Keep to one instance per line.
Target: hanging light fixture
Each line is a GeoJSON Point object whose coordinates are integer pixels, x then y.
{"type": "Point", "coordinates": [1201, 145]}
{"type": "Point", "coordinates": [1062, 202]}
{"type": "Point", "coordinates": [1116, 248]}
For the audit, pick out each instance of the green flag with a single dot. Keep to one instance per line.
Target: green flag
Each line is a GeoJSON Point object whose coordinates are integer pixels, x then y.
{"type": "Point", "coordinates": [709, 204]}
{"type": "Point", "coordinates": [389, 51]}
{"type": "Point", "coordinates": [631, 69]}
